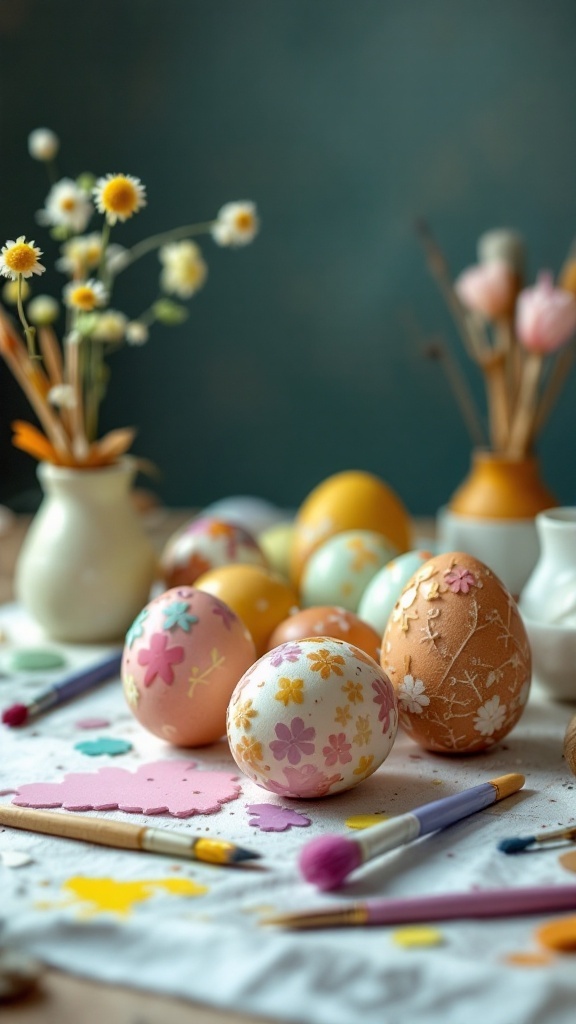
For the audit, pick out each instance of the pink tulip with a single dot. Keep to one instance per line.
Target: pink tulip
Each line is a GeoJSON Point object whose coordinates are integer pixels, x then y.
{"type": "Point", "coordinates": [545, 316]}
{"type": "Point", "coordinates": [488, 288]}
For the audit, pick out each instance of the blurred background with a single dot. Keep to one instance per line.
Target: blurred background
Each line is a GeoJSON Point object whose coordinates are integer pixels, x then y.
{"type": "Point", "coordinates": [305, 353]}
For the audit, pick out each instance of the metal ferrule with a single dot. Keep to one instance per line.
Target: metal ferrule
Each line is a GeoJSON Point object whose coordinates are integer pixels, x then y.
{"type": "Point", "coordinates": [389, 835]}
{"type": "Point", "coordinates": [175, 844]}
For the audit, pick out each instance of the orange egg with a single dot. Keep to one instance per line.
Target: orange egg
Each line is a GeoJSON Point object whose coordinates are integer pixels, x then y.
{"type": "Point", "coordinates": [259, 597]}
{"type": "Point", "coordinates": [327, 620]}
{"type": "Point", "coordinates": [348, 501]}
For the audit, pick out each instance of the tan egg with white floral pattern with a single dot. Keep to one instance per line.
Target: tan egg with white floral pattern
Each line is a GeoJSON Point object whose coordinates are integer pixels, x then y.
{"type": "Point", "coordinates": [458, 656]}
{"type": "Point", "coordinates": [312, 717]}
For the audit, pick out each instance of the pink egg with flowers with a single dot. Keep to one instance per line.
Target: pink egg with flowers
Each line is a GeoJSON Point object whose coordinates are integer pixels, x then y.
{"type": "Point", "coordinates": [183, 656]}
{"type": "Point", "coordinates": [312, 717]}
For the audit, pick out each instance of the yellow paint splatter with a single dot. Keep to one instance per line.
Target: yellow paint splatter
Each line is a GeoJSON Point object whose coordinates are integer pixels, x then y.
{"type": "Point", "coordinates": [95, 896]}
{"type": "Point", "coordinates": [365, 820]}
{"type": "Point", "coordinates": [419, 935]}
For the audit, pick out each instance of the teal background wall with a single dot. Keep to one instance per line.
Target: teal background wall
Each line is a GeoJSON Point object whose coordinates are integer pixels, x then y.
{"type": "Point", "coordinates": [344, 120]}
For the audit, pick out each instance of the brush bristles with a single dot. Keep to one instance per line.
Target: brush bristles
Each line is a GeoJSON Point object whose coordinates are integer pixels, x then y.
{"type": "Point", "coordinates": [516, 844]}
{"type": "Point", "coordinates": [328, 860]}
{"type": "Point", "coordinates": [16, 715]}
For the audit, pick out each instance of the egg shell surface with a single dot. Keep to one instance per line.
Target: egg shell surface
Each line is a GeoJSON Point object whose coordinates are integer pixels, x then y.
{"type": "Point", "coordinates": [328, 620]}
{"type": "Point", "coordinates": [458, 655]}
{"type": "Point", "coordinates": [385, 587]}
{"type": "Point", "coordinates": [276, 543]}
{"type": "Point", "coordinates": [247, 510]}
{"type": "Point", "coordinates": [312, 718]}
{"type": "Point", "coordinates": [352, 500]}
{"type": "Point", "coordinates": [205, 543]}
{"type": "Point", "coordinates": [183, 656]}
{"type": "Point", "coordinates": [259, 597]}
{"type": "Point", "coordinates": [339, 571]}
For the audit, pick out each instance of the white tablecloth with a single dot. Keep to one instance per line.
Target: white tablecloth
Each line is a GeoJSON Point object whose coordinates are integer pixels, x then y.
{"type": "Point", "coordinates": [211, 948]}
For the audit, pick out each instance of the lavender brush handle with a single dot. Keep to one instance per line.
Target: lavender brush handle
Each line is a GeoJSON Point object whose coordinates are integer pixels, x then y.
{"type": "Point", "coordinates": [487, 903]}
{"type": "Point", "coordinates": [83, 679]}
{"type": "Point", "coordinates": [452, 808]}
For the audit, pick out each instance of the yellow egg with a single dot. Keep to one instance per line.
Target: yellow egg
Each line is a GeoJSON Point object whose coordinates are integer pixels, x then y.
{"type": "Point", "coordinates": [259, 597]}
{"type": "Point", "coordinates": [350, 500]}
{"type": "Point", "coordinates": [276, 543]}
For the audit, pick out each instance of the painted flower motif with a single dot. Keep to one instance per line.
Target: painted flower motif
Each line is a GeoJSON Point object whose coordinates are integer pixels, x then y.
{"type": "Point", "coordinates": [294, 742]}
{"type": "Point", "coordinates": [119, 196]}
{"type": "Point", "coordinates": [364, 765]}
{"type": "Point", "coordinates": [363, 730]}
{"type": "Point", "coordinates": [385, 698]}
{"type": "Point", "coordinates": [412, 695]}
{"type": "Point", "coordinates": [177, 616]}
{"type": "Point", "coordinates": [66, 206]}
{"type": "Point", "coordinates": [20, 258]}
{"type": "Point", "coordinates": [354, 692]}
{"type": "Point", "coordinates": [249, 750]}
{"type": "Point", "coordinates": [362, 554]}
{"type": "Point", "coordinates": [290, 690]}
{"type": "Point", "coordinates": [137, 628]}
{"type": "Point", "coordinates": [326, 663]}
{"type": "Point", "coordinates": [337, 751]}
{"type": "Point", "coordinates": [286, 652]}
{"type": "Point", "coordinates": [159, 658]}
{"type": "Point", "coordinates": [243, 715]}
{"type": "Point", "coordinates": [131, 691]}
{"type": "Point", "coordinates": [343, 715]}
{"type": "Point", "coordinates": [225, 613]}
{"type": "Point", "coordinates": [305, 781]}
{"type": "Point", "coordinates": [490, 717]}
{"type": "Point", "coordinates": [460, 580]}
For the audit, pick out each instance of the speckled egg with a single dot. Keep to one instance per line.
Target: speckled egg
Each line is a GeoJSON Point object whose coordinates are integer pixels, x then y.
{"type": "Point", "coordinates": [384, 588]}
{"type": "Point", "coordinates": [458, 655]}
{"type": "Point", "coordinates": [259, 597]}
{"type": "Point", "coordinates": [312, 718]}
{"type": "Point", "coordinates": [352, 500]}
{"type": "Point", "coordinates": [339, 571]}
{"type": "Point", "coordinates": [327, 620]}
{"type": "Point", "coordinates": [203, 544]}
{"type": "Point", "coordinates": [183, 656]}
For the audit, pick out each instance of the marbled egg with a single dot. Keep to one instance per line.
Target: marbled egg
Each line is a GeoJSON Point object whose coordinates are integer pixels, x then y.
{"type": "Point", "coordinates": [385, 587]}
{"type": "Point", "coordinates": [183, 656]}
{"type": "Point", "coordinates": [312, 718]}
{"type": "Point", "coordinates": [340, 569]}
{"type": "Point", "coordinates": [328, 620]}
{"type": "Point", "coordinates": [458, 655]}
{"type": "Point", "coordinates": [203, 544]}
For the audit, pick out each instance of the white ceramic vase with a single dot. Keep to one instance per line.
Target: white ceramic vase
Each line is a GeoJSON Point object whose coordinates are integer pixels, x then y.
{"type": "Point", "coordinates": [86, 566]}
{"type": "Point", "coordinates": [548, 604]}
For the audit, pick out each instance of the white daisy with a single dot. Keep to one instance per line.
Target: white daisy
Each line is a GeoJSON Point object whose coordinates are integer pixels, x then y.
{"type": "Point", "coordinates": [136, 333]}
{"type": "Point", "coordinates": [490, 717]}
{"type": "Point", "coordinates": [412, 696]}
{"type": "Point", "coordinates": [184, 270]}
{"type": "Point", "coordinates": [110, 326]}
{"type": "Point", "coordinates": [20, 258]}
{"type": "Point", "coordinates": [43, 144]}
{"type": "Point", "coordinates": [85, 295]}
{"type": "Point", "coordinates": [66, 206]}
{"type": "Point", "coordinates": [119, 196]}
{"type": "Point", "coordinates": [42, 310]}
{"type": "Point", "coordinates": [236, 224]}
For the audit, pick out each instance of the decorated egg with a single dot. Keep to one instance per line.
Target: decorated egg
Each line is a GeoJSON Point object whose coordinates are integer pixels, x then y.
{"type": "Point", "coordinates": [458, 655]}
{"type": "Point", "coordinates": [384, 588]}
{"type": "Point", "coordinates": [259, 597]}
{"type": "Point", "coordinates": [252, 513]}
{"type": "Point", "coordinates": [276, 543]}
{"type": "Point", "coordinates": [327, 620]}
{"type": "Point", "coordinates": [183, 656]}
{"type": "Point", "coordinates": [206, 543]}
{"type": "Point", "coordinates": [339, 571]}
{"type": "Point", "coordinates": [353, 500]}
{"type": "Point", "coordinates": [312, 718]}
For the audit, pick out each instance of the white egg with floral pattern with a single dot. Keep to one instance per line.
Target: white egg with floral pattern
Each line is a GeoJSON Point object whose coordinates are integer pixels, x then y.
{"type": "Point", "coordinates": [312, 718]}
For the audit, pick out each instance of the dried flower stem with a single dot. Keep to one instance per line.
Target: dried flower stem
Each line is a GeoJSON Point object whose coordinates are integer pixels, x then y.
{"type": "Point", "coordinates": [560, 371]}
{"type": "Point", "coordinates": [155, 241]}
{"type": "Point", "coordinates": [522, 427]}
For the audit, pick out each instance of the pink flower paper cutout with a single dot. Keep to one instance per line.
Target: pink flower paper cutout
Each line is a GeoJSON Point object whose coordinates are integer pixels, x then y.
{"type": "Point", "coordinates": [460, 580]}
{"type": "Point", "coordinates": [272, 818]}
{"type": "Point", "coordinates": [160, 658]}
{"type": "Point", "coordinates": [160, 787]}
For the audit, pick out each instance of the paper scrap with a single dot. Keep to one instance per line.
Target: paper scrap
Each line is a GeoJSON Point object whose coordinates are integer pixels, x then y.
{"type": "Point", "coordinates": [417, 935]}
{"type": "Point", "coordinates": [273, 818]}
{"type": "Point", "coordinates": [103, 745]}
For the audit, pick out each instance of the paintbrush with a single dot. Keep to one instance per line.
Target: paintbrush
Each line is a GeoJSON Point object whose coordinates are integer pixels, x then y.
{"type": "Point", "coordinates": [487, 903]}
{"type": "Point", "coordinates": [70, 686]}
{"type": "Point", "coordinates": [125, 836]}
{"type": "Point", "coordinates": [328, 860]}
{"type": "Point", "coordinates": [519, 843]}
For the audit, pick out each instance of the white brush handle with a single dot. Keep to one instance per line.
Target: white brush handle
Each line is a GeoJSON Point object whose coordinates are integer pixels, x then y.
{"type": "Point", "coordinates": [389, 835]}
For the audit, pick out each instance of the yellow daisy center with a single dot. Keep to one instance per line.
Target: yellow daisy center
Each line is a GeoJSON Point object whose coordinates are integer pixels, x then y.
{"type": "Point", "coordinates": [83, 297]}
{"type": "Point", "coordinates": [120, 196]}
{"type": "Point", "coordinates": [244, 221]}
{"type": "Point", "coordinates": [20, 257]}
{"type": "Point", "coordinates": [68, 204]}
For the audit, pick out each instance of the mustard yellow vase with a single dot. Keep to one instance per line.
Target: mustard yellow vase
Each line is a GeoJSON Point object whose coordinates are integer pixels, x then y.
{"type": "Point", "coordinates": [492, 516]}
